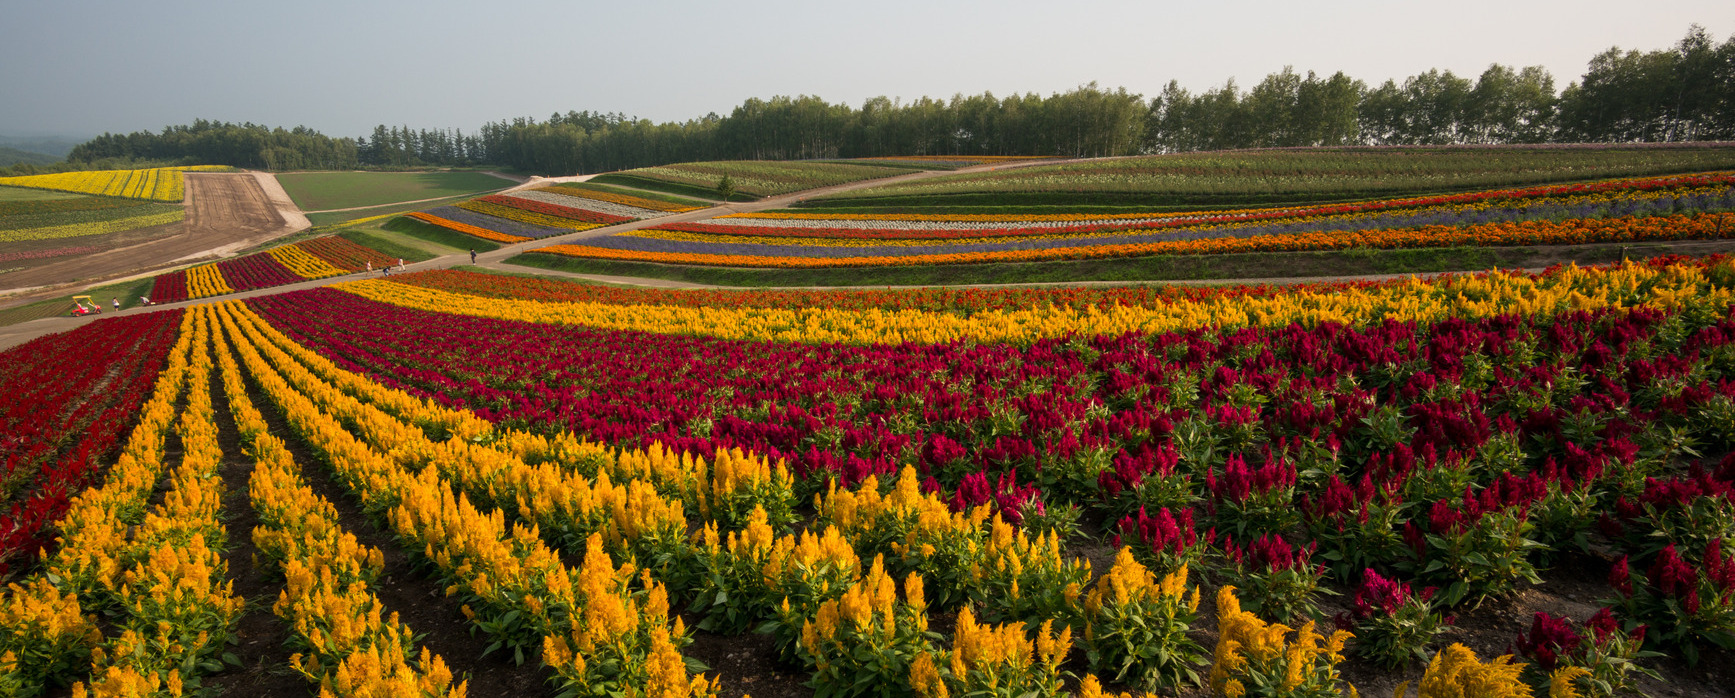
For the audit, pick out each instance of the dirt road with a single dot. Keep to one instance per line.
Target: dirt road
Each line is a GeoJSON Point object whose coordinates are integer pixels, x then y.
{"type": "Point", "coordinates": [225, 213]}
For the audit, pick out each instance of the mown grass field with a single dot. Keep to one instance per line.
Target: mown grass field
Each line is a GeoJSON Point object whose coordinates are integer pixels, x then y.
{"type": "Point", "coordinates": [323, 191]}
{"type": "Point", "coordinates": [340, 217]}
{"type": "Point", "coordinates": [27, 194]}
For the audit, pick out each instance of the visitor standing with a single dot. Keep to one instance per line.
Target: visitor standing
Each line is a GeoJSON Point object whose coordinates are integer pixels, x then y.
{"type": "Point", "coordinates": [472, 255]}
{"type": "Point", "coordinates": [116, 304]}
{"type": "Point", "coordinates": [370, 266]}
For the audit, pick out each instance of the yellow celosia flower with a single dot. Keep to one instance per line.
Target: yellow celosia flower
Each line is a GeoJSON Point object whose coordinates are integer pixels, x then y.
{"type": "Point", "coordinates": [1455, 672]}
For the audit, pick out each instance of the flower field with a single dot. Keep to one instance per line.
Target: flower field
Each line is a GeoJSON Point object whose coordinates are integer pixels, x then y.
{"type": "Point", "coordinates": [317, 258]}
{"type": "Point", "coordinates": [530, 214]}
{"type": "Point", "coordinates": [1265, 177]}
{"type": "Point", "coordinates": [757, 178]}
{"type": "Point", "coordinates": [641, 205]}
{"type": "Point", "coordinates": [159, 184]}
{"type": "Point", "coordinates": [1244, 491]}
{"type": "Point", "coordinates": [1630, 210]}
{"type": "Point", "coordinates": [98, 223]}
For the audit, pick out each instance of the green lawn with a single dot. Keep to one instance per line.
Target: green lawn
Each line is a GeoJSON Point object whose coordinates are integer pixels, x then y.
{"type": "Point", "coordinates": [27, 194]}
{"type": "Point", "coordinates": [337, 217]}
{"type": "Point", "coordinates": [324, 191]}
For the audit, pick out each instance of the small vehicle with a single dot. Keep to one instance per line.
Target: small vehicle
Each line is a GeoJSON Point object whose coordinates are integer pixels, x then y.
{"type": "Point", "coordinates": [83, 305]}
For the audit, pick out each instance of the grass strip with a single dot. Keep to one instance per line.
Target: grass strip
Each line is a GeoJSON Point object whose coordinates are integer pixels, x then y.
{"type": "Point", "coordinates": [438, 235]}
{"type": "Point", "coordinates": [676, 188]}
{"type": "Point", "coordinates": [127, 291]}
{"type": "Point", "coordinates": [338, 217]}
{"type": "Point", "coordinates": [624, 191]}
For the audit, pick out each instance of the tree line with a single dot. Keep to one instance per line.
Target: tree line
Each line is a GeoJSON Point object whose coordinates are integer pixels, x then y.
{"type": "Point", "coordinates": [1680, 93]}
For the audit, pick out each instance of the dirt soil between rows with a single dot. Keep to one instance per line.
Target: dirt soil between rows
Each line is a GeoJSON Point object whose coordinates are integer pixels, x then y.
{"type": "Point", "coordinates": [225, 213]}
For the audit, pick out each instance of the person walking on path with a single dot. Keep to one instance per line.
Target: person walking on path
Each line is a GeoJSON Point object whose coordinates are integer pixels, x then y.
{"type": "Point", "coordinates": [116, 304]}
{"type": "Point", "coordinates": [472, 255]}
{"type": "Point", "coordinates": [370, 266]}
{"type": "Point", "coordinates": [400, 264]}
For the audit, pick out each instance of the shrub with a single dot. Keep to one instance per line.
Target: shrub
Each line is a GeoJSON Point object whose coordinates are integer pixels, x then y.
{"type": "Point", "coordinates": [1135, 626]}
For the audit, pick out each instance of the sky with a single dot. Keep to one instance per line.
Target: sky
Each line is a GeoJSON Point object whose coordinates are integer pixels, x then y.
{"type": "Point", "coordinates": [80, 67]}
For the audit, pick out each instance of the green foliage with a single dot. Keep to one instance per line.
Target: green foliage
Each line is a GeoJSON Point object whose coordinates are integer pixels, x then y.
{"type": "Point", "coordinates": [863, 643]}
{"type": "Point", "coordinates": [1136, 627]}
{"type": "Point", "coordinates": [1393, 626]}
{"type": "Point", "coordinates": [1487, 555]}
{"type": "Point", "coordinates": [19, 215]}
{"type": "Point", "coordinates": [1024, 576]}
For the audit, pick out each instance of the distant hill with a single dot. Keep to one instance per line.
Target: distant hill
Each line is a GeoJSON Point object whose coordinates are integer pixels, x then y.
{"type": "Point", "coordinates": [54, 146]}
{"type": "Point", "coordinates": [13, 156]}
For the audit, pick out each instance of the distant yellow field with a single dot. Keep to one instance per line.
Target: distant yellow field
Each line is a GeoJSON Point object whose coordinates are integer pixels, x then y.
{"type": "Point", "coordinates": [158, 184]}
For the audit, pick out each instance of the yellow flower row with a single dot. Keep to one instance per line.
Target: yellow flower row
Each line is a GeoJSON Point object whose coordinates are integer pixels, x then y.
{"type": "Point", "coordinates": [595, 629]}
{"type": "Point", "coordinates": [206, 280]}
{"type": "Point", "coordinates": [157, 184]}
{"type": "Point", "coordinates": [178, 610]}
{"type": "Point", "coordinates": [1461, 296]}
{"type": "Point", "coordinates": [45, 634]}
{"type": "Point", "coordinates": [633, 519]}
{"type": "Point", "coordinates": [302, 263]}
{"type": "Point", "coordinates": [326, 600]}
{"type": "Point", "coordinates": [163, 217]}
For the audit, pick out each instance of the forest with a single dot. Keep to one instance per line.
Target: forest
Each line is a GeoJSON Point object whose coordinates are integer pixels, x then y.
{"type": "Point", "coordinates": [1685, 92]}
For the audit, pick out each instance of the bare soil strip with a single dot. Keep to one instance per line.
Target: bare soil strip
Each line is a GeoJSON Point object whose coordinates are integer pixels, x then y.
{"type": "Point", "coordinates": [280, 201]}
{"type": "Point", "coordinates": [225, 213]}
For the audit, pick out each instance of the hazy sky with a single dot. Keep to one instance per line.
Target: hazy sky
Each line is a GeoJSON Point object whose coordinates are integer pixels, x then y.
{"type": "Point", "coordinates": [76, 67]}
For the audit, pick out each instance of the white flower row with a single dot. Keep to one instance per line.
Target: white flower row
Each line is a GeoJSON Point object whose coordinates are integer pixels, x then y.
{"type": "Point", "coordinates": [607, 207]}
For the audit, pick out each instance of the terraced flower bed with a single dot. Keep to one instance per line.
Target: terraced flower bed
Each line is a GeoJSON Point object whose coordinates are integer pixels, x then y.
{"type": "Point", "coordinates": [1662, 208]}
{"type": "Point", "coordinates": [1289, 176]}
{"type": "Point", "coordinates": [317, 258]}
